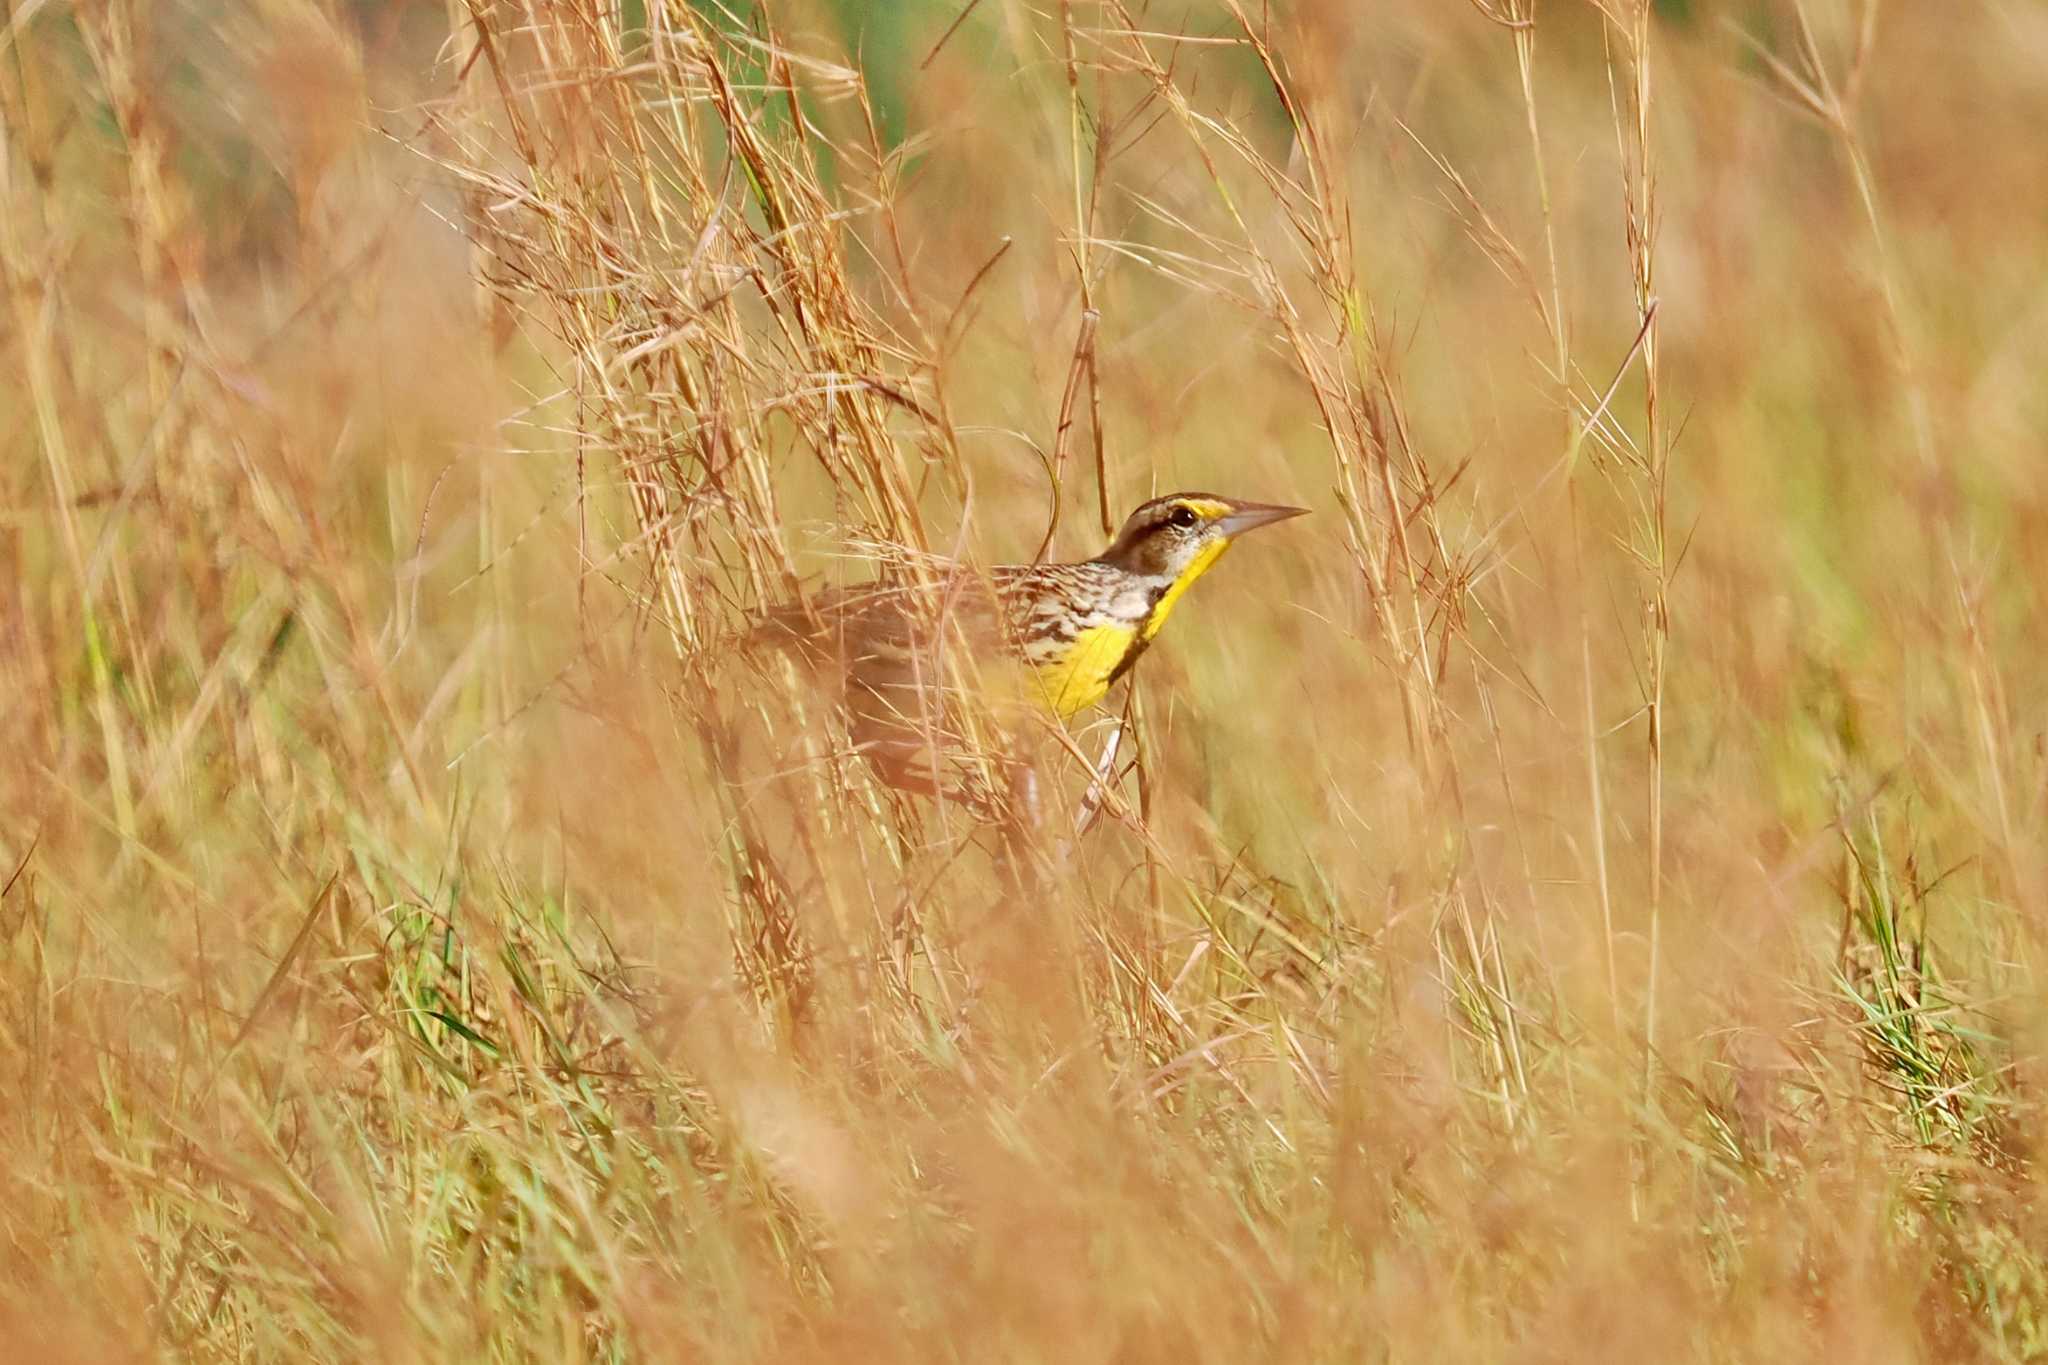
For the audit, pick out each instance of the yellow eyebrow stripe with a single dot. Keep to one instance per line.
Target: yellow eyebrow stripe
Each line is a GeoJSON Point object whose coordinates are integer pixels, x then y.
{"type": "Point", "coordinates": [1206, 508]}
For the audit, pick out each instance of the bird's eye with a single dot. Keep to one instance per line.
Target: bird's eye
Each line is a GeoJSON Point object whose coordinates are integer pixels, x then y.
{"type": "Point", "coordinates": [1183, 517]}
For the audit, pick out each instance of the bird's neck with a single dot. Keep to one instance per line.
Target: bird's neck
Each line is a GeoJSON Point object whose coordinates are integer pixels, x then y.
{"type": "Point", "coordinates": [1204, 560]}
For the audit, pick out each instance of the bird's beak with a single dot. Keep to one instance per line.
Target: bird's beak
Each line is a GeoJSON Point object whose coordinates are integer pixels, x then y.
{"type": "Point", "coordinates": [1249, 516]}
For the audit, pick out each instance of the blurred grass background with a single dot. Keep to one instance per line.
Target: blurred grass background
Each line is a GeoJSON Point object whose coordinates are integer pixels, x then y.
{"type": "Point", "coordinates": [1579, 893]}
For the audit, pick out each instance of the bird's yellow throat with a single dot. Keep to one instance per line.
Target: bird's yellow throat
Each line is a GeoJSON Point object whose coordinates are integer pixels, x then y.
{"type": "Point", "coordinates": [1196, 567]}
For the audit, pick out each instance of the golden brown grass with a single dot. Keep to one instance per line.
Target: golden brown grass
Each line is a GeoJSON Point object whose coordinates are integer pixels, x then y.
{"type": "Point", "coordinates": [1575, 898]}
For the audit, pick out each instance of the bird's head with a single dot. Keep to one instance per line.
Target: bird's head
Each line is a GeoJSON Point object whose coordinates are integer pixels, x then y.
{"type": "Point", "coordinates": [1179, 536]}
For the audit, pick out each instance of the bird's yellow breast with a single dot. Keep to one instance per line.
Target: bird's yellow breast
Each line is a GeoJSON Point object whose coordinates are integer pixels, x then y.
{"type": "Point", "coordinates": [1081, 675]}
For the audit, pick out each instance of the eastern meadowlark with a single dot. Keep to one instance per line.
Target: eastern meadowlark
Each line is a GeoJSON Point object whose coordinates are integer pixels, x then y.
{"type": "Point", "coordinates": [1076, 628]}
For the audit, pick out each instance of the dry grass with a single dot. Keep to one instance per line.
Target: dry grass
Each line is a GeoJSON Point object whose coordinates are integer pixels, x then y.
{"type": "Point", "coordinates": [1576, 897]}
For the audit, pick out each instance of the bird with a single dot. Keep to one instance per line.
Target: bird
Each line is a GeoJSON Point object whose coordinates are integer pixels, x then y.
{"type": "Point", "coordinates": [1076, 628]}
